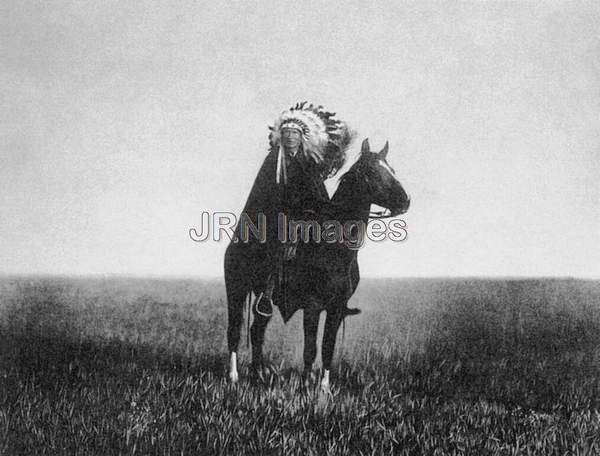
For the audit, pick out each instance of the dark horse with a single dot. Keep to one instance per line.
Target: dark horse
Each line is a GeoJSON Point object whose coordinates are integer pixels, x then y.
{"type": "Point", "coordinates": [322, 275]}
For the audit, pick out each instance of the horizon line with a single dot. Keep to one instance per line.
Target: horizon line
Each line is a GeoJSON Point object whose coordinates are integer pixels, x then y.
{"type": "Point", "coordinates": [142, 276]}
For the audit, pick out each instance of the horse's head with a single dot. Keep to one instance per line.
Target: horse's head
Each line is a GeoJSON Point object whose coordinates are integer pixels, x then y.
{"type": "Point", "coordinates": [383, 187]}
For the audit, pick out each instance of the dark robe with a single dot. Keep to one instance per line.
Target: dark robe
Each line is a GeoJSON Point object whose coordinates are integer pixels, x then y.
{"type": "Point", "coordinates": [303, 196]}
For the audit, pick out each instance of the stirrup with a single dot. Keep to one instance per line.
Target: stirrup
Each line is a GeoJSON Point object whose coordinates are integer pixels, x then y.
{"type": "Point", "coordinates": [266, 311]}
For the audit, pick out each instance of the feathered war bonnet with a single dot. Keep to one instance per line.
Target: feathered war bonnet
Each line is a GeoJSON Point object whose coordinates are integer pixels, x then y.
{"type": "Point", "coordinates": [324, 138]}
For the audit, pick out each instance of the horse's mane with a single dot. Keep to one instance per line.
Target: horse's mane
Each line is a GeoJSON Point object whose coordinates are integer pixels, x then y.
{"type": "Point", "coordinates": [348, 156]}
{"type": "Point", "coordinates": [338, 153]}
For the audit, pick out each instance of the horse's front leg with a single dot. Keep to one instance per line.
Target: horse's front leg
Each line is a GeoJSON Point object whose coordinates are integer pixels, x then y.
{"type": "Point", "coordinates": [234, 326]}
{"type": "Point", "coordinates": [311, 325]}
{"type": "Point", "coordinates": [237, 288]}
{"type": "Point", "coordinates": [332, 324]}
{"type": "Point", "coordinates": [257, 337]}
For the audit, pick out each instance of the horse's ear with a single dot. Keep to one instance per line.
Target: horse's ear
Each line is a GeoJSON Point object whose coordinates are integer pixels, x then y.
{"type": "Point", "coordinates": [365, 147]}
{"type": "Point", "coordinates": [384, 151]}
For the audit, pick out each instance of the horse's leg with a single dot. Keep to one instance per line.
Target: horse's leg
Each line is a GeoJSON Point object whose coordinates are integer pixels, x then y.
{"type": "Point", "coordinates": [332, 324]}
{"type": "Point", "coordinates": [237, 289]}
{"type": "Point", "coordinates": [257, 336]}
{"type": "Point", "coordinates": [311, 325]}
{"type": "Point", "coordinates": [235, 312]}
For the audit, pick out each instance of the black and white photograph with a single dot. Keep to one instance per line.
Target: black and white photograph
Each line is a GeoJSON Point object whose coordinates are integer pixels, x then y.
{"type": "Point", "coordinates": [300, 228]}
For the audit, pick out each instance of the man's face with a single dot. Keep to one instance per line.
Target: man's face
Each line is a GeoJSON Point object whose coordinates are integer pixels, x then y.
{"type": "Point", "coordinates": [291, 139]}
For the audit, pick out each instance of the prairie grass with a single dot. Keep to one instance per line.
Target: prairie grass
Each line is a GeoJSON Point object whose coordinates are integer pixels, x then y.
{"type": "Point", "coordinates": [138, 366]}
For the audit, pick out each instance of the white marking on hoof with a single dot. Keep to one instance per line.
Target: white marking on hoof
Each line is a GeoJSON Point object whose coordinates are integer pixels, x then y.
{"type": "Point", "coordinates": [325, 381]}
{"type": "Point", "coordinates": [233, 373]}
{"type": "Point", "coordinates": [308, 377]}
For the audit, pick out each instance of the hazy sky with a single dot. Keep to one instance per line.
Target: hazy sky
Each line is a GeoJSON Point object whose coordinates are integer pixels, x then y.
{"type": "Point", "coordinates": [123, 121]}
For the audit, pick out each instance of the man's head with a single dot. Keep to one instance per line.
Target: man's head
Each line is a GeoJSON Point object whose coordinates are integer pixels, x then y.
{"type": "Point", "coordinates": [291, 138]}
{"type": "Point", "coordinates": [311, 131]}
{"type": "Point", "coordinates": [315, 132]}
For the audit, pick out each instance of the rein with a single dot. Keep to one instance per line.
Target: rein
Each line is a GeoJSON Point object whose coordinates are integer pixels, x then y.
{"type": "Point", "coordinates": [386, 213]}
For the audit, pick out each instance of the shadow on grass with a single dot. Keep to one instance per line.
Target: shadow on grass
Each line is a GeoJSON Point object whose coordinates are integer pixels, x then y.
{"type": "Point", "coordinates": [517, 349]}
{"type": "Point", "coordinates": [42, 338]}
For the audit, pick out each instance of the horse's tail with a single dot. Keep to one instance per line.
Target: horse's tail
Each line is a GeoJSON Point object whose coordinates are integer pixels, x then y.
{"type": "Point", "coordinates": [248, 307]}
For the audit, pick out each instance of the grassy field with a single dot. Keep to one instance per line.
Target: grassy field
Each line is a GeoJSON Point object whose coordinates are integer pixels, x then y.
{"type": "Point", "coordinates": [135, 366]}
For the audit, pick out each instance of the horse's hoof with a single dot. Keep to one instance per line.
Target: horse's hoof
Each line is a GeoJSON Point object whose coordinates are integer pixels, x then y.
{"type": "Point", "coordinates": [325, 381]}
{"type": "Point", "coordinates": [234, 377]}
{"type": "Point", "coordinates": [259, 374]}
{"type": "Point", "coordinates": [308, 378]}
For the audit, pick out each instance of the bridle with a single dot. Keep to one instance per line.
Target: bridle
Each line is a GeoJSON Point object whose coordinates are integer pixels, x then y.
{"type": "Point", "coordinates": [385, 213]}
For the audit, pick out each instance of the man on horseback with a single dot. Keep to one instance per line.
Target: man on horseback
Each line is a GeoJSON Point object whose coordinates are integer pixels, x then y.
{"type": "Point", "coordinates": [307, 144]}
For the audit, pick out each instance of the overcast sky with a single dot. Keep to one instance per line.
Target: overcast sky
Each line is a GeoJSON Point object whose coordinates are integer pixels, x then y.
{"type": "Point", "coordinates": [123, 121]}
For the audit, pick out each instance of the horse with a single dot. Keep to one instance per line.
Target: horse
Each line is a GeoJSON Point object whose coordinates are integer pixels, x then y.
{"type": "Point", "coordinates": [323, 275]}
